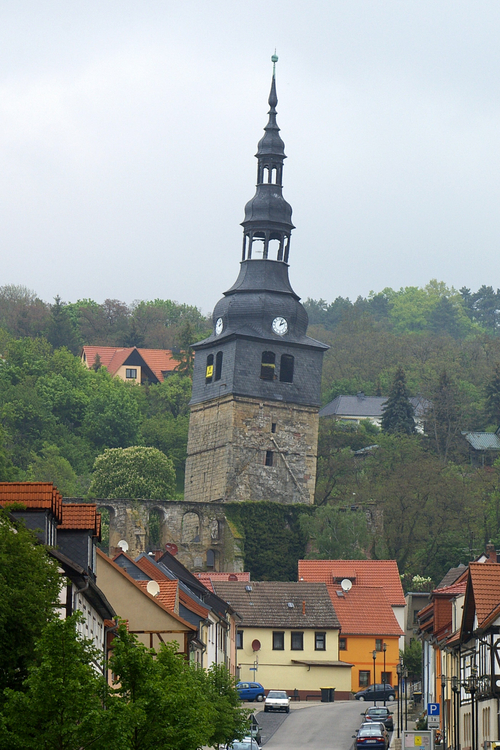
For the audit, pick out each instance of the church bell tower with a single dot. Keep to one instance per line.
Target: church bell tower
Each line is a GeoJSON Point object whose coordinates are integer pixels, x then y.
{"type": "Point", "coordinates": [253, 428]}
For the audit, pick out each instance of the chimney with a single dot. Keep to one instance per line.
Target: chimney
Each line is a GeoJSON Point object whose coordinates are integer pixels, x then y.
{"type": "Point", "coordinates": [491, 553]}
{"type": "Point", "coordinates": [303, 608]}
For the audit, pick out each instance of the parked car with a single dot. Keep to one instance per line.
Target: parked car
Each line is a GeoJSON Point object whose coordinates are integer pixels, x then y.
{"type": "Point", "coordinates": [277, 700]}
{"type": "Point", "coordinates": [379, 713]}
{"type": "Point", "coordinates": [250, 691]}
{"type": "Point", "coordinates": [247, 743]}
{"type": "Point", "coordinates": [379, 725]}
{"type": "Point", "coordinates": [378, 692]}
{"type": "Point", "coordinates": [371, 736]}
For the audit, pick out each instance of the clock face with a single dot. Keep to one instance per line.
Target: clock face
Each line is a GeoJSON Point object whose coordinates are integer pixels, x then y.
{"type": "Point", "coordinates": [219, 326]}
{"type": "Point", "coordinates": [280, 326]}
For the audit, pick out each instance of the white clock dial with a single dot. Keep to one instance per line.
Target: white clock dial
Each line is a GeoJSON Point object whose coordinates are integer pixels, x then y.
{"type": "Point", "coordinates": [219, 326]}
{"type": "Point", "coordinates": [280, 326]}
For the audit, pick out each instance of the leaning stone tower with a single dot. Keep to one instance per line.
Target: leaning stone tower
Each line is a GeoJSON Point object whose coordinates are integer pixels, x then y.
{"type": "Point", "coordinates": [253, 427]}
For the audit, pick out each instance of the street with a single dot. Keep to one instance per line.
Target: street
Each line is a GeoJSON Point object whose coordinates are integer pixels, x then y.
{"type": "Point", "coordinates": [319, 726]}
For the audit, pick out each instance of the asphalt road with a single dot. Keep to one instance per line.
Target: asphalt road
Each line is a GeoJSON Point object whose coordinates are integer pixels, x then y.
{"type": "Point", "coordinates": [322, 726]}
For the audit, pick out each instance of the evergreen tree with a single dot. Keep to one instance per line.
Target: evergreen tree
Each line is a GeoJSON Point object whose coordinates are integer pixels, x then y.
{"type": "Point", "coordinates": [398, 412]}
{"type": "Point", "coordinates": [61, 331]}
{"type": "Point", "coordinates": [445, 416]}
{"type": "Point", "coordinates": [493, 397]}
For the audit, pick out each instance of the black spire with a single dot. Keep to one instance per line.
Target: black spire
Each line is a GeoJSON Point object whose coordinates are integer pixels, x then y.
{"type": "Point", "coordinates": [268, 216]}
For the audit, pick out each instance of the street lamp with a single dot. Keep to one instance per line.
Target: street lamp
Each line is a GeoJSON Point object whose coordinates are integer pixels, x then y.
{"type": "Point", "coordinates": [384, 649]}
{"type": "Point", "coordinates": [470, 686]}
{"type": "Point", "coordinates": [399, 670]}
{"type": "Point", "coordinates": [455, 686]}
{"type": "Point", "coordinates": [374, 655]}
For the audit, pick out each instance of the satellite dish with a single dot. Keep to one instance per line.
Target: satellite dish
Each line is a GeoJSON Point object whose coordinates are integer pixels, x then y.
{"type": "Point", "coordinates": [172, 548]}
{"type": "Point", "coordinates": [346, 584]}
{"type": "Point", "coordinates": [256, 645]}
{"type": "Point", "coordinates": [153, 588]}
{"type": "Point", "coordinates": [123, 544]}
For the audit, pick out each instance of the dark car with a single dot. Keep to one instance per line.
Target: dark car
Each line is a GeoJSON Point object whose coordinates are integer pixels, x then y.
{"type": "Point", "coordinates": [250, 691]}
{"type": "Point", "coordinates": [379, 713]}
{"type": "Point", "coordinates": [378, 692]}
{"type": "Point", "coordinates": [371, 737]}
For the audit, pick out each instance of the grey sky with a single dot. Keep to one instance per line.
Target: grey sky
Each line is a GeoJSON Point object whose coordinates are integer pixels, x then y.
{"type": "Point", "coordinates": [127, 135]}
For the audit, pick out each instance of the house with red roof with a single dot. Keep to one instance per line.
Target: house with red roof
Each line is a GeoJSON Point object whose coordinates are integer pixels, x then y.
{"type": "Point", "coordinates": [130, 363]}
{"type": "Point", "coordinates": [70, 532]}
{"type": "Point", "coordinates": [369, 602]}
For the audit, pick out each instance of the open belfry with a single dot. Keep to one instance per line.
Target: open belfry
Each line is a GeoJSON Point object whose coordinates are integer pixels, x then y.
{"type": "Point", "coordinates": [253, 428]}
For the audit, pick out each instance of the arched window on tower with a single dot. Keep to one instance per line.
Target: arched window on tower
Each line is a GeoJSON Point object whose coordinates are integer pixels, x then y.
{"type": "Point", "coordinates": [267, 365]}
{"type": "Point", "coordinates": [209, 372]}
{"type": "Point", "coordinates": [286, 368]}
{"type": "Point", "coordinates": [218, 366]}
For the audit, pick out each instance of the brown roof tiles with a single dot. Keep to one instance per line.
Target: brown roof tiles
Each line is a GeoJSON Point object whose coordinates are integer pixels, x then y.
{"type": "Point", "coordinates": [33, 495]}
{"type": "Point", "coordinates": [364, 610]}
{"type": "Point", "coordinates": [81, 516]}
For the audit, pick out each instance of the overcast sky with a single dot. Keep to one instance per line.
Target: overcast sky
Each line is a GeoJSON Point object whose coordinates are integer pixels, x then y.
{"type": "Point", "coordinates": [128, 132]}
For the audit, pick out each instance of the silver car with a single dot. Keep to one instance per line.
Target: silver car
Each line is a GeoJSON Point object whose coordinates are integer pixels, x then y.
{"type": "Point", "coordinates": [277, 700]}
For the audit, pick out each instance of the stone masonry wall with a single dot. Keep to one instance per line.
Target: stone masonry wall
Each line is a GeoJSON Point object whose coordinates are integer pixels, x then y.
{"type": "Point", "coordinates": [227, 445]}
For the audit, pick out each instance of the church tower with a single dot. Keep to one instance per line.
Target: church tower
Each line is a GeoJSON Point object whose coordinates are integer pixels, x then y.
{"type": "Point", "coordinates": [253, 428]}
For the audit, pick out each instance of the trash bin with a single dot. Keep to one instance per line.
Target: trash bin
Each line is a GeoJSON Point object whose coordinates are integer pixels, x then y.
{"type": "Point", "coordinates": [327, 695]}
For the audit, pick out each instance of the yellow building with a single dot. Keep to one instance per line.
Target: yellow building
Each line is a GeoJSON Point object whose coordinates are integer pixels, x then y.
{"type": "Point", "coordinates": [288, 638]}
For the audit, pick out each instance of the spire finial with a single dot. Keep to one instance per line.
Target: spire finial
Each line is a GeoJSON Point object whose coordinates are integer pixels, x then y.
{"type": "Point", "coordinates": [274, 59]}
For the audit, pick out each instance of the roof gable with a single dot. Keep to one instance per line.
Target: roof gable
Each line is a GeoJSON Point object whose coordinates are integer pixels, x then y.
{"type": "Point", "coordinates": [159, 361]}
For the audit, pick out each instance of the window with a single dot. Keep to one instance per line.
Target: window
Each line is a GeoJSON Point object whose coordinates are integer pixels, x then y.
{"type": "Point", "coordinates": [210, 558]}
{"type": "Point", "coordinates": [239, 639]}
{"type": "Point", "coordinates": [378, 644]}
{"type": "Point", "coordinates": [364, 678]}
{"type": "Point", "coordinates": [320, 641]}
{"type": "Point", "coordinates": [209, 372]}
{"type": "Point", "coordinates": [297, 641]}
{"type": "Point", "coordinates": [278, 641]}
{"type": "Point", "coordinates": [286, 368]}
{"type": "Point", "coordinates": [267, 365]}
{"type": "Point", "coordinates": [342, 644]}
{"type": "Point", "coordinates": [273, 427]}
{"type": "Point", "coordinates": [386, 678]}
{"type": "Point", "coordinates": [218, 366]}
{"type": "Point", "coordinates": [269, 458]}
{"type": "Point", "coordinates": [130, 373]}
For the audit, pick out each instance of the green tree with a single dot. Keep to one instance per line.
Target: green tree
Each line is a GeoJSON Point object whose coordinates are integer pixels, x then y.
{"type": "Point", "coordinates": [183, 353]}
{"type": "Point", "coordinates": [445, 417]}
{"type": "Point", "coordinates": [61, 330]}
{"type": "Point", "coordinates": [492, 405]}
{"type": "Point", "coordinates": [398, 411]}
{"type": "Point", "coordinates": [61, 704]}
{"type": "Point", "coordinates": [50, 466]}
{"type": "Point", "coordinates": [412, 658]}
{"type": "Point", "coordinates": [161, 700]}
{"type": "Point", "coordinates": [29, 589]}
{"type": "Point", "coordinates": [112, 416]}
{"type": "Point", "coordinates": [135, 472]}
{"type": "Point", "coordinates": [337, 533]}
{"type": "Point", "coordinates": [229, 720]}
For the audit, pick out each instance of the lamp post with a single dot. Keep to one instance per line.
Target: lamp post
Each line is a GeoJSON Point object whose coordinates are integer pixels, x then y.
{"type": "Point", "coordinates": [443, 709]}
{"type": "Point", "coordinates": [406, 698]}
{"type": "Point", "coordinates": [470, 686]}
{"type": "Point", "coordinates": [455, 686]}
{"type": "Point", "coordinates": [398, 670]}
{"type": "Point", "coordinates": [384, 649]}
{"type": "Point", "coordinates": [374, 655]}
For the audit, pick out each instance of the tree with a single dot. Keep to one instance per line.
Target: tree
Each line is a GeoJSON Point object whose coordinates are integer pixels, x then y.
{"type": "Point", "coordinates": [61, 704]}
{"type": "Point", "coordinates": [29, 589]}
{"type": "Point", "coordinates": [412, 658]}
{"type": "Point", "coordinates": [134, 472]}
{"type": "Point", "coordinates": [337, 533]}
{"type": "Point", "coordinates": [183, 352]}
{"type": "Point", "coordinates": [492, 407]}
{"type": "Point", "coordinates": [50, 466]}
{"type": "Point", "coordinates": [398, 411]}
{"type": "Point", "coordinates": [61, 330]}
{"type": "Point", "coordinates": [162, 700]}
{"type": "Point", "coordinates": [444, 419]}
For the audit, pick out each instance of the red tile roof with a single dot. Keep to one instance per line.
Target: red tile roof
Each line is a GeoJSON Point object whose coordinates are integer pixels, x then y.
{"type": "Point", "coordinates": [151, 570]}
{"type": "Point", "coordinates": [81, 516]}
{"type": "Point", "coordinates": [381, 573]}
{"type": "Point", "coordinates": [112, 357]}
{"type": "Point", "coordinates": [33, 495]}
{"type": "Point", "coordinates": [485, 579]}
{"type": "Point", "coordinates": [167, 594]}
{"type": "Point", "coordinates": [207, 579]}
{"type": "Point", "coordinates": [143, 590]}
{"type": "Point", "coordinates": [364, 610]}
{"type": "Point", "coordinates": [193, 606]}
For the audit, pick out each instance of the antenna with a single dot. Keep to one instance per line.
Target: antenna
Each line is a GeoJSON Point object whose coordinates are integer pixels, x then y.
{"type": "Point", "coordinates": [153, 588]}
{"type": "Point", "coordinates": [123, 544]}
{"type": "Point", "coordinates": [346, 584]}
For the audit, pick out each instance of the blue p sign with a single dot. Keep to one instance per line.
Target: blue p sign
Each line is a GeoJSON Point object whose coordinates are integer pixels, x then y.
{"type": "Point", "coordinates": [433, 709]}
